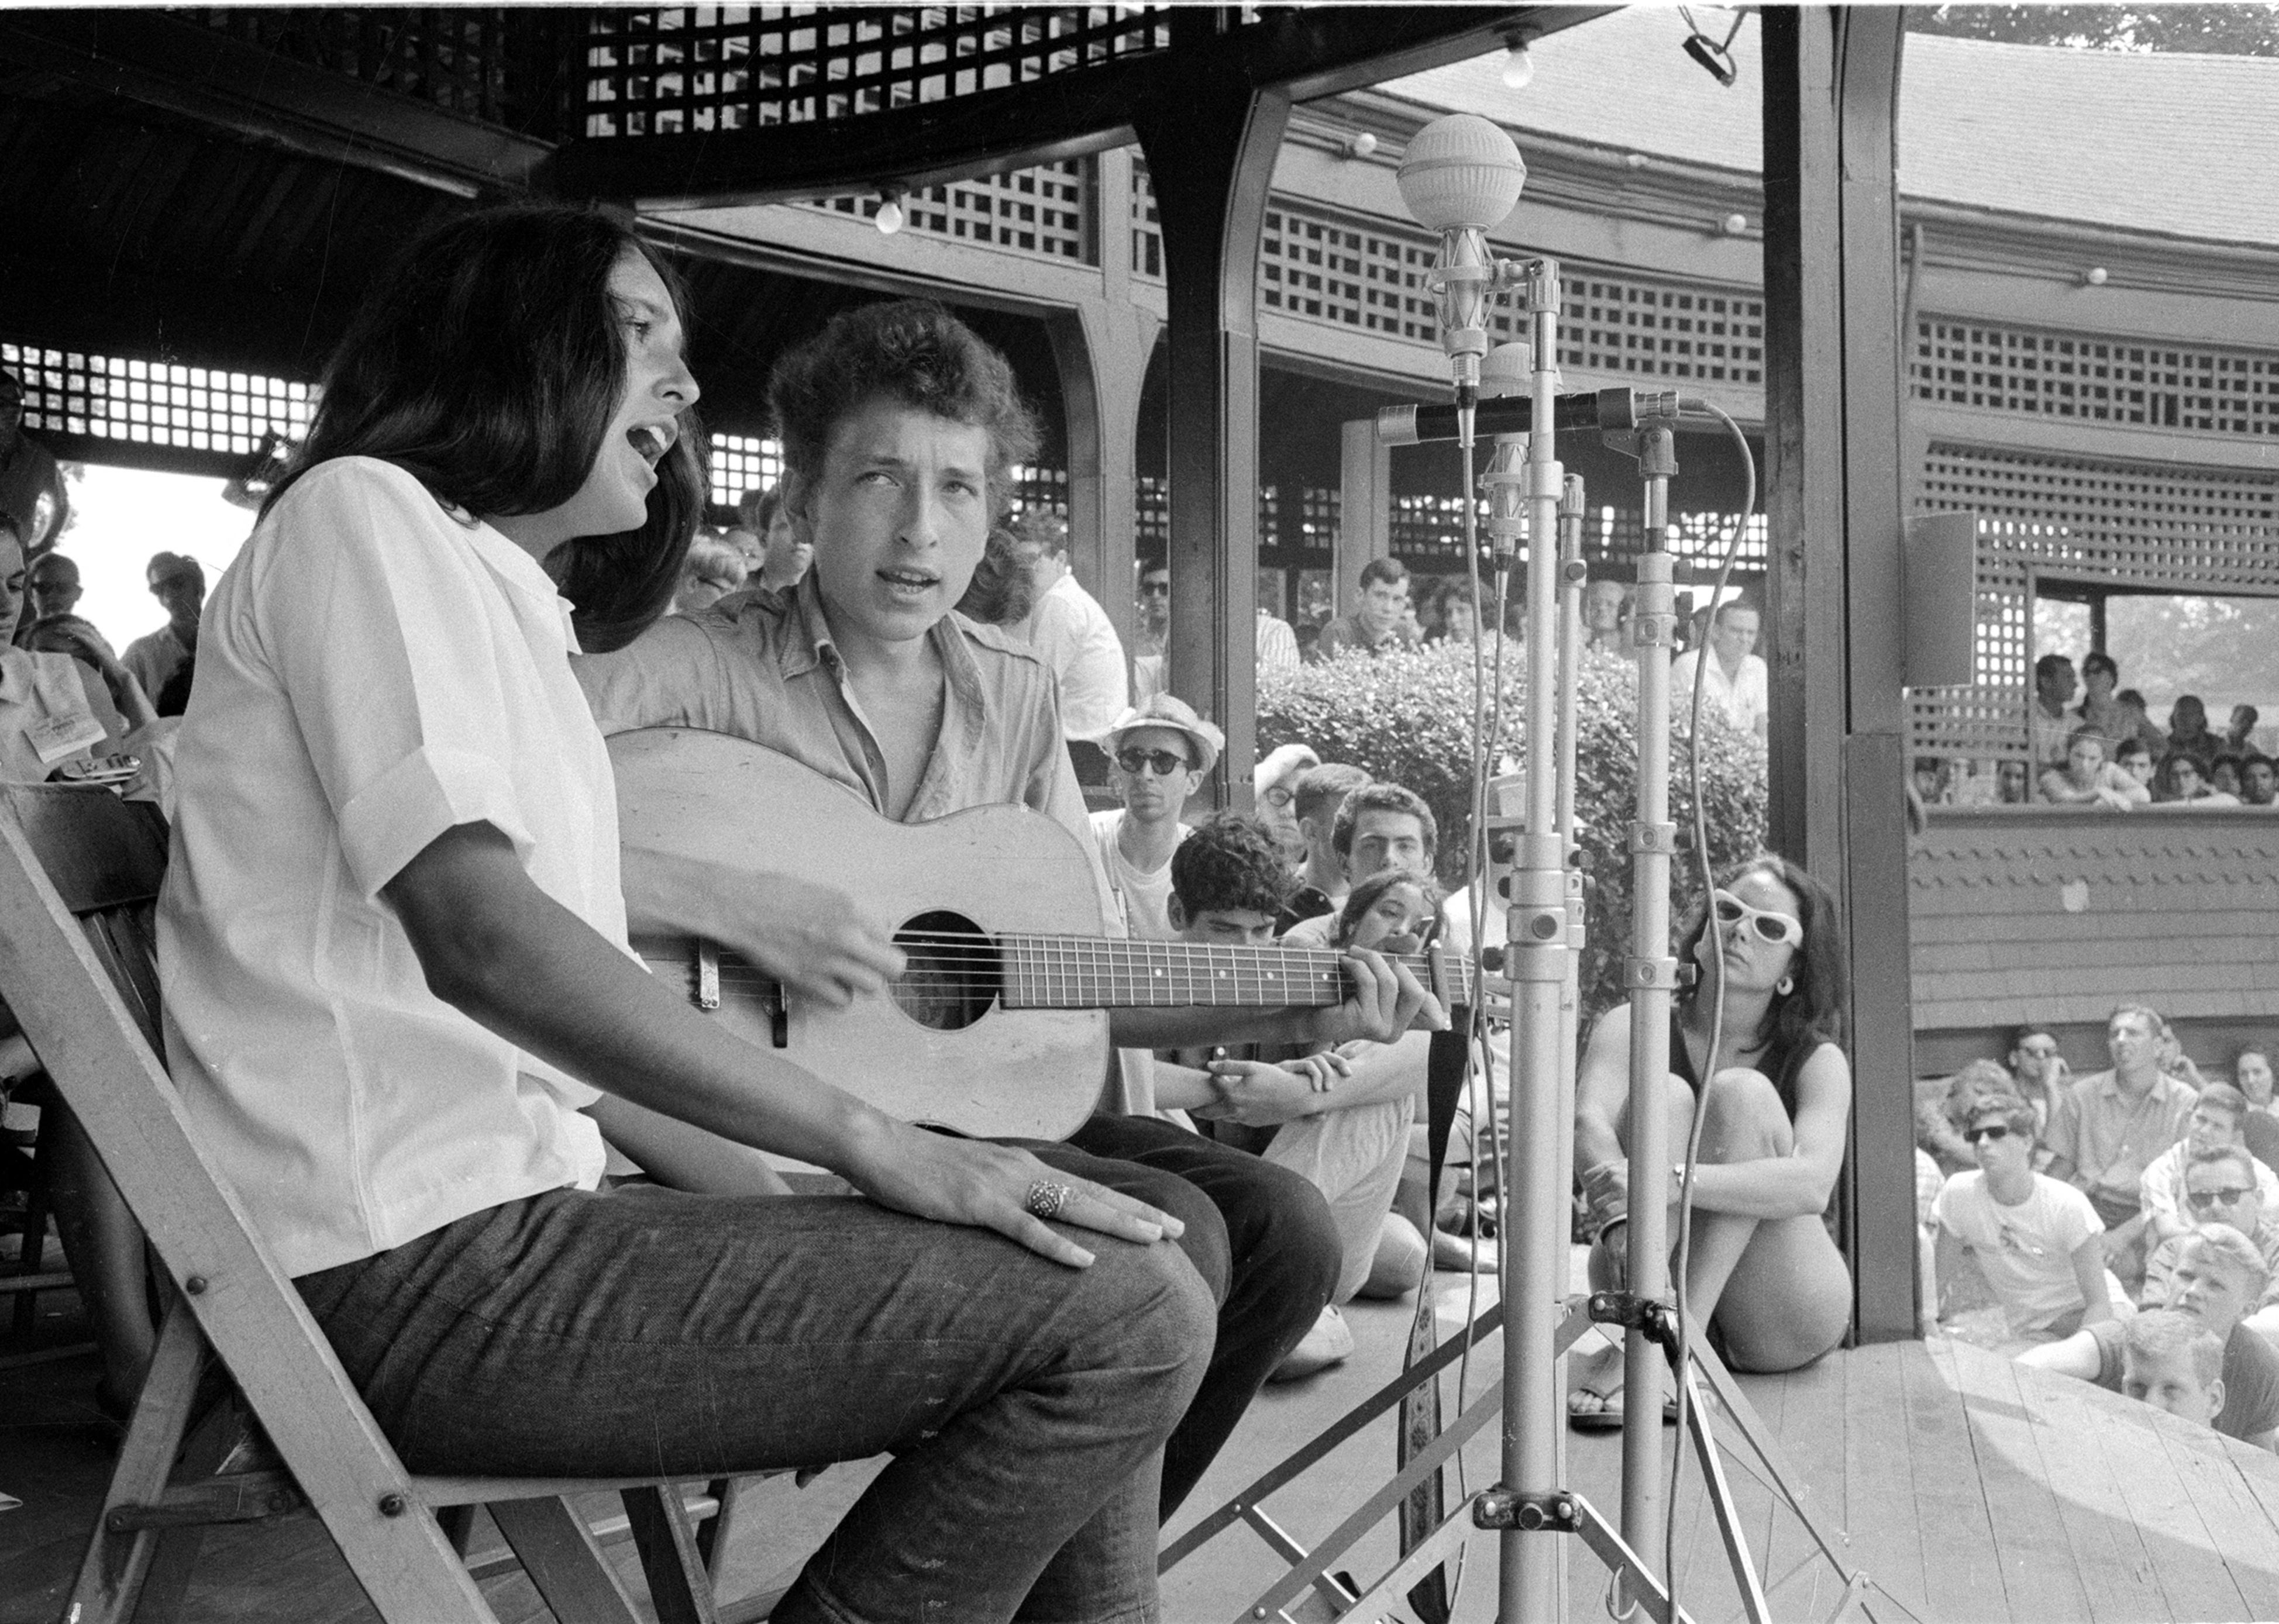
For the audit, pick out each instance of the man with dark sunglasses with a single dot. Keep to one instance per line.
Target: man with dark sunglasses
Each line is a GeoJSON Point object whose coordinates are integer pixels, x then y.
{"type": "Point", "coordinates": [2036, 1240]}
{"type": "Point", "coordinates": [2220, 1186]}
{"type": "Point", "coordinates": [2216, 1122]}
{"type": "Point", "coordinates": [1158, 754]}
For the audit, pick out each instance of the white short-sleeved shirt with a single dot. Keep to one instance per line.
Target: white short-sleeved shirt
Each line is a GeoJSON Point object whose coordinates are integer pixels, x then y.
{"type": "Point", "coordinates": [1145, 899]}
{"type": "Point", "coordinates": [371, 672]}
{"type": "Point", "coordinates": [1075, 638]}
{"type": "Point", "coordinates": [2026, 1251]}
{"type": "Point", "coordinates": [1745, 697]}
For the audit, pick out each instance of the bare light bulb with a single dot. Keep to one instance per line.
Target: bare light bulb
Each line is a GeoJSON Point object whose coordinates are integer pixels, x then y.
{"type": "Point", "coordinates": [890, 215]}
{"type": "Point", "coordinates": [1518, 68]}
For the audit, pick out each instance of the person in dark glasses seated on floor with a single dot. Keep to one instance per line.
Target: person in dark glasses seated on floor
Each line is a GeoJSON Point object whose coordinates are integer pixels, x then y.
{"type": "Point", "coordinates": [1763, 1274]}
{"type": "Point", "coordinates": [2038, 1241]}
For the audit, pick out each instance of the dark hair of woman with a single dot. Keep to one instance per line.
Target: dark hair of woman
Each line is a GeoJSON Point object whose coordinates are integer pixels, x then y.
{"type": "Point", "coordinates": [488, 363]}
{"type": "Point", "coordinates": [1002, 590]}
{"type": "Point", "coordinates": [1812, 1012]}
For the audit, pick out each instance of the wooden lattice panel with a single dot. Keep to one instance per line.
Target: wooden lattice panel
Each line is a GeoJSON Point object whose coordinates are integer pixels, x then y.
{"type": "Point", "coordinates": [1044, 209]}
{"type": "Point", "coordinates": [1319, 514]}
{"type": "Point", "coordinates": [2093, 378]}
{"type": "Point", "coordinates": [741, 463]}
{"type": "Point", "coordinates": [678, 70]}
{"type": "Point", "coordinates": [1151, 514]}
{"type": "Point", "coordinates": [1367, 274]}
{"type": "Point", "coordinates": [2058, 914]}
{"type": "Point", "coordinates": [151, 403]}
{"type": "Point", "coordinates": [1037, 487]}
{"type": "Point", "coordinates": [451, 56]}
{"type": "Point", "coordinates": [1981, 722]}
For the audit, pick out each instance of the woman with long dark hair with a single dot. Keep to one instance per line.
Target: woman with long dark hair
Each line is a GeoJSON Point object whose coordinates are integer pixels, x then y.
{"type": "Point", "coordinates": [399, 1001]}
{"type": "Point", "coordinates": [1763, 1273]}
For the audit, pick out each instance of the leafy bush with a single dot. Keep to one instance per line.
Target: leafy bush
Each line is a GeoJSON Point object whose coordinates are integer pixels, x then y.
{"type": "Point", "coordinates": [1407, 717]}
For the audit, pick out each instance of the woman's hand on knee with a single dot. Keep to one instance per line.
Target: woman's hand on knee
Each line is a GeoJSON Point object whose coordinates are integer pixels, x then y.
{"type": "Point", "coordinates": [997, 1187]}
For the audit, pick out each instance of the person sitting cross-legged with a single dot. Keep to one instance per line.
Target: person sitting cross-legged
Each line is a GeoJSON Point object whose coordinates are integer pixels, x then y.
{"type": "Point", "coordinates": [2173, 1363]}
{"type": "Point", "coordinates": [2218, 1277]}
{"type": "Point", "coordinates": [1343, 1125]}
{"type": "Point", "coordinates": [1763, 1273]}
{"type": "Point", "coordinates": [2035, 1238]}
{"type": "Point", "coordinates": [2216, 1122]}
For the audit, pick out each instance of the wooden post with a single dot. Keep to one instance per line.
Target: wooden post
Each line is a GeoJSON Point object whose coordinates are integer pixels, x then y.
{"type": "Point", "coordinates": [1211, 158]}
{"type": "Point", "coordinates": [1364, 509]}
{"type": "Point", "coordinates": [1833, 479]}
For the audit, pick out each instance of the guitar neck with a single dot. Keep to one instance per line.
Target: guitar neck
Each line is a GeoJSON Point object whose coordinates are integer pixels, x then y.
{"type": "Point", "coordinates": [1082, 972]}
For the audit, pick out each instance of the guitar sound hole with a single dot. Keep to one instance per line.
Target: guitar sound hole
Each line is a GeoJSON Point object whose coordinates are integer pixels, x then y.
{"type": "Point", "coordinates": [952, 978]}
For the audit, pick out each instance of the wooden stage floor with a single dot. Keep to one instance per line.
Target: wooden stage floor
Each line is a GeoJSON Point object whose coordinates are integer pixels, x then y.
{"type": "Point", "coordinates": [1967, 1489]}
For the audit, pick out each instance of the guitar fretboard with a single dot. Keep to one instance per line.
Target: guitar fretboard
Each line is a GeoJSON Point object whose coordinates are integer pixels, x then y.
{"type": "Point", "coordinates": [1079, 972]}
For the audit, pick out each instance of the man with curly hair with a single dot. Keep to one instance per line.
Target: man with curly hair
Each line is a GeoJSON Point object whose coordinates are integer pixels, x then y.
{"type": "Point", "coordinates": [899, 429]}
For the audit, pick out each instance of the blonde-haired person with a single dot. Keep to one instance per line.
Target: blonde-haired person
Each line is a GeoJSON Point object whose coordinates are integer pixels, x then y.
{"type": "Point", "coordinates": [2088, 778]}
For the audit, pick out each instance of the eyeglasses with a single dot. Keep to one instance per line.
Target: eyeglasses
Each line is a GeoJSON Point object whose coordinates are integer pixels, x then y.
{"type": "Point", "coordinates": [1163, 761]}
{"type": "Point", "coordinates": [1279, 797]}
{"type": "Point", "coordinates": [1155, 589]}
{"type": "Point", "coordinates": [2037, 1051]}
{"type": "Point", "coordinates": [1993, 1130]}
{"type": "Point", "coordinates": [1770, 926]}
{"type": "Point", "coordinates": [2228, 1196]}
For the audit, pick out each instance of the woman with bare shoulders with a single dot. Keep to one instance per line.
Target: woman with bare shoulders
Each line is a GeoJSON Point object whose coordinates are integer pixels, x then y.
{"type": "Point", "coordinates": [1764, 1275]}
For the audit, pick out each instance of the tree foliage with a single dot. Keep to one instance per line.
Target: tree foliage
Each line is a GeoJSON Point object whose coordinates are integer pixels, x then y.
{"type": "Point", "coordinates": [2234, 30]}
{"type": "Point", "coordinates": [1407, 717]}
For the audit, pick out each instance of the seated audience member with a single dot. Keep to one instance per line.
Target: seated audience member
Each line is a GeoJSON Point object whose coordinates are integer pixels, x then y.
{"type": "Point", "coordinates": [1376, 826]}
{"type": "Point", "coordinates": [785, 554]}
{"type": "Point", "coordinates": [2215, 1124]}
{"type": "Point", "coordinates": [1339, 1120]}
{"type": "Point", "coordinates": [1735, 677]}
{"type": "Point", "coordinates": [1152, 631]}
{"type": "Point", "coordinates": [51, 592]}
{"type": "Point", "coordinates": [2220, 1187]}
{"type": "Point", "coordinates": [2223, 775]}
{"type": "Point", "coordinates": [1460, 616]}
{"type": "Point", "coordinates": [2054, 724]}
{"type": "Point", "coordinates": [1274, 795]}
{"type": "Point", "coordinates": [2036, 1239]}
{"type": "Point", "coordinates": [2140, 723]}
{"type": "Point", "coordinates": [1274, 647]}
{"type": "Point", "coordinates": [2180, 782]}
{"type": "Point", "coordinates": [1763, 1274]}
{"type": "Point", "coordinates": [1383, 619]}
{"type": "Point", "coordinates": [2088, 778]}
{"type": "Point", "coordinates": [56, 709]}
{"type": "Point", "coordinates": [2250, 1074]}
{"type": "Point", "coordinates": [2108, 1126]}
{"type": "Point", "coordinates": [2238, 733]}
{"type": "Point", "coordinates": [165, 661]}
{"type": "Point", "coordinates": [713, 569]}
{"type": "Point", "coordinates": [1321, 883]}
{"type": "Point", "coordinates": [2173, 1061]}
{"type": "Point", "coordinates": [2014, 786]}
{"type": "Point", "coordinates": [2134, 757]}
{"type": "Point", "coordinates": [2218, 1277]}
{"type": "Point", "coordinates": [2099, 708]}
{"type": "Point", "coordinates": [2257, 779]}
{"type": "Point", "coordinates": [421, 929]}
{"type": "Point", "coordinates": [2037, 1071]}
{"type": "Point", "coordinates": [1003, 589]}
{"type": "Point", "coordinates": [2173, 1363]}
{"type": "Point", "coordinates": [899, 430]}
{"type": "Point", "coordinates": [1071, 634]}
{"type": "Point", "coordinates": [2188, 734]}
{"type": "Point", "coordinates": [1159, 753]}
{"type": "Point", "coordinates": [1941, 1118]}
{"type": "Point", "coordinates": [1606, 611]}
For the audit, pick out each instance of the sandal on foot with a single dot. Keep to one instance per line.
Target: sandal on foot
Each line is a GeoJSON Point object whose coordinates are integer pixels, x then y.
{"type": "Point", "coordinates": [1605, 1413]}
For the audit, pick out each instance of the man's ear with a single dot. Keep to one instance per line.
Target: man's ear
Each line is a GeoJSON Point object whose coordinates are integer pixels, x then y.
{"type": "Point", "coordinates": [2215, 1393]}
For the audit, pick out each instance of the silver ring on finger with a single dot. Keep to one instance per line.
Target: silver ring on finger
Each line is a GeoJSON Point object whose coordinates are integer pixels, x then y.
{"type": "Point", "coordinates": [1046, 1196]}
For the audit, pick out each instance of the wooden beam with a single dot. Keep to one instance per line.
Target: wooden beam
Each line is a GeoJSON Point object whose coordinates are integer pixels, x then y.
{"type": "Point", "coordinates": [1364, 509]}
{"type": "Point", "coordinates": [1833, 434]}
{"type": "Point", "coordinates": [203, 76]}
{"type": "Point", "coordinates": [1210, 157]}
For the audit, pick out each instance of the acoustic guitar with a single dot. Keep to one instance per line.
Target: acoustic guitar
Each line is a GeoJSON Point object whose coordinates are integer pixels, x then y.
{"type": "Point", "coordinates": [998, 1024]}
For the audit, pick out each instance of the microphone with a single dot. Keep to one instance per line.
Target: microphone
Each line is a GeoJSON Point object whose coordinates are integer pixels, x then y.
{"type": "Point", "coordinates": [1616, 411]}
{"type": "Point", "coordinates": [1462, 176]}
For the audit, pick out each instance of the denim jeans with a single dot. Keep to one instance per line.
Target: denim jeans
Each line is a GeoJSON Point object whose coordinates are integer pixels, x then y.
{"type": "Point", "coordinates": [657, 1333]}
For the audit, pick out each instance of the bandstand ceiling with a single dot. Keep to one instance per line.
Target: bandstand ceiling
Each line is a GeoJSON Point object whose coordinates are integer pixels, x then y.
{"type": "Point", "coordinates": [212, 186]}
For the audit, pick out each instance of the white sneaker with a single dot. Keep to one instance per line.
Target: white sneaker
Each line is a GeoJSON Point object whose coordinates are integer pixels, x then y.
{"type": "Point", "coordinates": [1330, 1343]}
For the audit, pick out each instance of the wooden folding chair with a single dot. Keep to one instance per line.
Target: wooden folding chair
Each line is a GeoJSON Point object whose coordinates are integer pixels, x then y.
{"type": "Point", "coordinates": [79, 872]}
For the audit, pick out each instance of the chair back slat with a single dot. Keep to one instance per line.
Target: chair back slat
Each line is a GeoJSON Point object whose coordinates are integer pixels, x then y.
{"type": "Point", "coordinates": [72, 854]}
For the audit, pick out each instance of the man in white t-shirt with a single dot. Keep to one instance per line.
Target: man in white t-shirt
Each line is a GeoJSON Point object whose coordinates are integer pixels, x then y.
{"type": "Point", "coordinates": [1735, 676]}
{"type": "Point", "coordinates": [1158, 753]}
{"type": "Point", "coordinates": [1073, 634]}
{"type": "Point", "coordinates": [2038, 1240]}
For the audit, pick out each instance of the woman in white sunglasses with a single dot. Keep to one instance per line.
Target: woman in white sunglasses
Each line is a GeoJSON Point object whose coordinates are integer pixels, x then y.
{"type": "Point", "coordinates": [1763, 1272]}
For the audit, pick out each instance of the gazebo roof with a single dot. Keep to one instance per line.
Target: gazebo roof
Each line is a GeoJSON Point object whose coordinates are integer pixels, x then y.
{"type": "Point", "coordinates": [2136, 142]}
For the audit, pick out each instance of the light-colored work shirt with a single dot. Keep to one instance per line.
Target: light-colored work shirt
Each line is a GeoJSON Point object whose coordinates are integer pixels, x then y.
{"type": "Point", "coordinates": [2111, 1142]}
{"type": "Point", "coordinates": [373, 671]}
{"type": "Point", "coordinates": [156, 658]}
{"type": "Point", "coordinates": [762, 665]}
{"type": "Point", "coordinates": [2026, 1251]}
{"type": "Point", "coordinates": [1742, 697]}
{"type": "Point", "coordinates": [1075, 636]}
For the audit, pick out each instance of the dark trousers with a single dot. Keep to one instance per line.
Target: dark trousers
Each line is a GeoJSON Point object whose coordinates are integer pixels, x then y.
{"type": "Point", "coordinates": [1281, 1257]}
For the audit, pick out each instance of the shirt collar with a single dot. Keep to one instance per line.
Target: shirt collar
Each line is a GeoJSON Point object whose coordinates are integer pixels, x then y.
{"type": "Point", "coordinates": [813, 647]}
